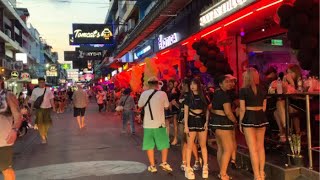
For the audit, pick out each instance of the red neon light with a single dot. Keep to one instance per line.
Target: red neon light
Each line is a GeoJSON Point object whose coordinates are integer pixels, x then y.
{"type": "Point", "coordinates": [238, 19]}
{"type": "Point", "coordinates": [142, 64]}
{"type": "Point", "coordinates": [266, 6]}
{"type": "Point", "coordinates": [211, 32]}
{"type": "Point", "coordinates": [165, 52]}
{"type": "Point", "coordinates": [129, 69]}
{"type": "Point", "coordinates": [185, 43]}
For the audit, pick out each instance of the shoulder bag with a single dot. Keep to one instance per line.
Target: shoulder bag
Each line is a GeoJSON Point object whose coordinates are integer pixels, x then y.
{"type": "Point", "coordinates": [148, 103]}
{"type": "Point", "coordinates": [120, 107]}
{"type": "Point", "coordinates": [39, 100]}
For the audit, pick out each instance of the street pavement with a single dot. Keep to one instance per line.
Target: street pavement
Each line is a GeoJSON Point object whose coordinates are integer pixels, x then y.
{"type": "Point", "coordinates": [98, 152]}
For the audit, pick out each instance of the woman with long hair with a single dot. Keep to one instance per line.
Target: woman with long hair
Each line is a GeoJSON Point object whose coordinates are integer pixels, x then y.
{"type": "Point", "coordinates": [196, 117]}
{"type": "Point", "coordinates": [253, 120]}
{"type": "Point", "coordinates": [185, 90]}
{"type": "Point", "coordinates": [222, 122]}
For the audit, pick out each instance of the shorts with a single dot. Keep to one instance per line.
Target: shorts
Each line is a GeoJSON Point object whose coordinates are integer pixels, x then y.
{"type": "Point", "coordinates": [155, 136]}
{"type": "Point", "coordinates": [6, 156]}
{"type": "Point", "coordinates": [256, 119]}
{"type": "Point", "coordinates": [220, 122]}
{"type": "Point", "coordinates": [196, 123]}
{"type": "Point", "coordinates": [79, 112]}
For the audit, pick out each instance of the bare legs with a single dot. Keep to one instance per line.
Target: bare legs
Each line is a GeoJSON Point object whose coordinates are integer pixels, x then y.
{"type": "Point", "coordinates": [80, 120]}
{"type": "Point", "coordinates": [255, 142]}
{"type": "Point", "coordinates": [8, 174]}
{"type": "Point", "coordinates": [234, 153]}
{"type": "Point", "coordinates": [175, 128]}
{"type": "Point", "coordinates": [164, 154]}
{"type": "Point", "coordinates": [225, 149]}
{"type": "Point", "coordinates": [191, 146]}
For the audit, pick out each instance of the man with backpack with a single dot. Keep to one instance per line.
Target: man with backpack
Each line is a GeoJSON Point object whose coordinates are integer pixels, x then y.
{"type": "Point", "coordinates": [153, 102]}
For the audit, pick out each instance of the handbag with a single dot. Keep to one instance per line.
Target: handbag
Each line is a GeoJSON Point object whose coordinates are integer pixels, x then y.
{"type": "Point", "coordinates": [39, 100]}
{"type": "Point", "coordinates": [148, 102]}
{"type": "Point", "coordinates": [120, 107]}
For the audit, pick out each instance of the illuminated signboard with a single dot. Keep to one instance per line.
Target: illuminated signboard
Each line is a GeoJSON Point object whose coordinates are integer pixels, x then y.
{"type": "Point", "coordinates": [141, 52]}
{"type": "Point", "coordinates": [22, 57]}
{"type": "Point", "coordinates": [66, 66]}
{"type": "Point", "coordinates": [221, 10]}
{"type": "Point", "coordinates": [92, 34]}
{"type": "Point", "coordinates": [52, 71]}
{"type": "Point", "coordinates": [276, 42]}
{"type": "Point", "coordinates": [71, 40]}
{"type": "Point", "coordinates": [89, 55]}
{"type": "Point", "coordinates": [167, 41]}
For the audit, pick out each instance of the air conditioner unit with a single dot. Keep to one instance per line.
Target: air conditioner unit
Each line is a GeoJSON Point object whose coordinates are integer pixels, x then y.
{"type": "Point", "coordinates": [131, 24]}
{"type": "Point", "coordinates": [8, 32]}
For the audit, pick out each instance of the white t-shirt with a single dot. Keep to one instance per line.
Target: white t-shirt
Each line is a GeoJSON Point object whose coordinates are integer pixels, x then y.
{"type": "Point", "coordinates": [47, 97]}
{"type": "Point", "coordinates": [158, 103]}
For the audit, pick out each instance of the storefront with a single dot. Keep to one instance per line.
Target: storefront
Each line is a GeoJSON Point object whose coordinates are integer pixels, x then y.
{"type": "Point", "coordinates": [245, 31]}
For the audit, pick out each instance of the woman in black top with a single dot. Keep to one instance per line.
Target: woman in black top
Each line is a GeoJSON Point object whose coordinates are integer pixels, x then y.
{"type": "Point", "coordinates": [222, 122]}
{"type": "Point", "coordinates": [196, 117]}
{"type": "Point", "coordinates": [253, 120]}
{"type": "Point", "coordinates": [173, 95]}
{"type": "Point", "coordinates": [185, 90]}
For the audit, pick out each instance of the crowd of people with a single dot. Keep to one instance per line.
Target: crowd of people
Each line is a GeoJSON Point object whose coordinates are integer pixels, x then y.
{"type": "Point", "coordinates": [192, 107]}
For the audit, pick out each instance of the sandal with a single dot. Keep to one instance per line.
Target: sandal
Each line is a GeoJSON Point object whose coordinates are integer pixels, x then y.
{"type": "Point", "coordinates": [224, 177]}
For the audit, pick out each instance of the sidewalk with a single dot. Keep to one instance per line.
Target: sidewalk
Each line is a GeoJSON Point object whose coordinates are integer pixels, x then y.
{"type": "Point", "coordinates": [99, 152]}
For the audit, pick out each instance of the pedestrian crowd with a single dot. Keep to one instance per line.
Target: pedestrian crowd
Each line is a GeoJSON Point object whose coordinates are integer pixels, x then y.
{"type": "Point", "coordinates": [192, 107]}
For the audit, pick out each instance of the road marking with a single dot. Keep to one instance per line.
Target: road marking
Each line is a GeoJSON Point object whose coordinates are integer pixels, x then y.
{"type": "Point", "coordinates": [81, 169]}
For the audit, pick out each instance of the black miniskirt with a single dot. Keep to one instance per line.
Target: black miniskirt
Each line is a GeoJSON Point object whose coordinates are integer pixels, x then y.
{"type": "Point", "coordinates": [220, 122]}
{"type": "Point", "coordinates": [196, 123]}
{"type": "Point", "coordinates": [168, 114]}
{"type": "Point", "coordinates": [255, 119]}
{"type": "Point", "coordinates": [175, 110]}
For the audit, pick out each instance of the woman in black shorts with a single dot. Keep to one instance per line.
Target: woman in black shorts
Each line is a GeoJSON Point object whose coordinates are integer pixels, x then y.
{"type": "Point", "coordinates": [253, 120]}
{"type": "Point", "coordinates": [185, 90]}
{"type": "Point", "coordinates": [196, 117]}
{"type": "Point", "coordinates": [222, 122]}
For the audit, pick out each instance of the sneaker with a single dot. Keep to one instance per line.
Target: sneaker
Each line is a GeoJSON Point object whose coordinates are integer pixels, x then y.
{"type": "Point", "coordinates": [166, 167]}
{"type": "Point", "coordinates": [183, 167]}
{"type": "Point", "coordinates": [189, 173]}
{"type": "Point", "coordinates": [152, 169]}
{"type": "Point", "coordinates": [205, 172]}
{"type": "Point", "coordinates": [196, 166]}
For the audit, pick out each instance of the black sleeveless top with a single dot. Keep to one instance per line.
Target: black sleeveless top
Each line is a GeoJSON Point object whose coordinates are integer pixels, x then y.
{"type": "Point", "coordinates": [219, 98]}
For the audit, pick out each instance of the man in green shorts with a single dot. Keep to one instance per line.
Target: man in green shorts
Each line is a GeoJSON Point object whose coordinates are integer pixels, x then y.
{"type": "Point", "coordinates": [154, 103]}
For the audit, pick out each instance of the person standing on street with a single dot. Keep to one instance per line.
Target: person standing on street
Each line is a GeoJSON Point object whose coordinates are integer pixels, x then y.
{"type": "Point", "coordinates": [100, 99]}
{"type": "Point", "coordinates": [128, 110]}
{"type": "Point", "coordinates": [43, 118]}
{"type": "Point", "coordinates": [80, 102]}
{"type": "Point", "coordinates": [10, 122]}
{"type": "Point", "coordinates": [154, 103]}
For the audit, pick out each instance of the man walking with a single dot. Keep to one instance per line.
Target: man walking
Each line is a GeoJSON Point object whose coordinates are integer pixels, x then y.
{"type": "Point", "coordinates": [128, 110]}
{"type": "Point", "coordinates": [43, 117]}
{"type": "Point", "coordinates": [80, 102]}
{"type": "Point", "coordinates": [153, 103]}
{"type": "Point", "coordinates": [10, 122]}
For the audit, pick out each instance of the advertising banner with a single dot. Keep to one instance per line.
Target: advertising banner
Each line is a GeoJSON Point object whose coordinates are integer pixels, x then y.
{"type": "Point", "coordinates": [89, 55]}
{"type": "Point", "coordinates": [92, 34]}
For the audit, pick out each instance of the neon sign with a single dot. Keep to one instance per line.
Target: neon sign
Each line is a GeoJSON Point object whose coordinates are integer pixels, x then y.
{"type": "Point", "coordinates": [142, 52]}
{"type": "Point", "coordinates": [167, 41]}
{"type": "Point", "coordinates": [221, 10]}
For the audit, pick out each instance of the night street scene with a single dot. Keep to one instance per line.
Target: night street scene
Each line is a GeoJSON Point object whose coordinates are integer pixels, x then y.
{"type": "Point", "coordinates": [159, 90]}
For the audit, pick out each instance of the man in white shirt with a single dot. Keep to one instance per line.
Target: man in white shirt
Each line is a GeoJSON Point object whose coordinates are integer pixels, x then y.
{"type": "Point", "coordinates": [154, 124]}
{"type": "Point", "coordinates": [43, 119]}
